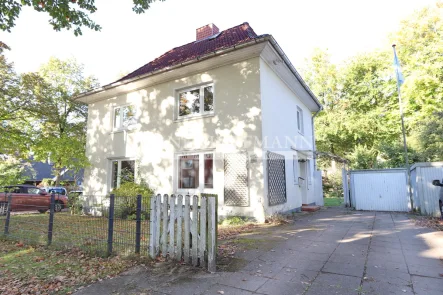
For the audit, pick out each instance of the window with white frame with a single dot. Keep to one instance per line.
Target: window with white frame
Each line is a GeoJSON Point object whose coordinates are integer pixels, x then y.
{"type": "Point", "coordinates": [195, 171]}
{"type": "Point", "coordinates": [300, 120]}
{"type": "Point", "coordinates": [122, 171]}
{"type": "Point", "coordinates": [196, 101]}
{"type": "Point", "coordinates": [124, 117]}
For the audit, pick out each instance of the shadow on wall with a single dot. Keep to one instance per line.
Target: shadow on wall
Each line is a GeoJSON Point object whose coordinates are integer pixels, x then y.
{"type": "Point", "coordinates": [156, 137]}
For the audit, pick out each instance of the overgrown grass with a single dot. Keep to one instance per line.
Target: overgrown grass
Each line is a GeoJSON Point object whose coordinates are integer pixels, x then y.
{"type": "Point", "coordinates": [333, 201]}
{"type": "Point", "coordinates": [28, 269]}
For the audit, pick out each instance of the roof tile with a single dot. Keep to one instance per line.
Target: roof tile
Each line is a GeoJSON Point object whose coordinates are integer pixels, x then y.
{"type": "Point", "coordinates": [225, 39]}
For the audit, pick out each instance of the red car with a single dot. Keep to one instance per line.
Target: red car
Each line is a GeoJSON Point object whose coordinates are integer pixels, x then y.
{"type": "Point", "coordinates": [29, 198]}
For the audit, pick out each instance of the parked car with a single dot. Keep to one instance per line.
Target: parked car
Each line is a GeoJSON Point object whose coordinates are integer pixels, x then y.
{"type": "Point", "coordinates": [437, 182]}
{"type": "Point", "coordinates": [29, 198]}
{"type": "Point", "coordinates": [55, 189]}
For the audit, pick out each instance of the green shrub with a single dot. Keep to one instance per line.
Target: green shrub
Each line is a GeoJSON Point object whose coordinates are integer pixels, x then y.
{"type": "Point", "coordinates": [126, 201]}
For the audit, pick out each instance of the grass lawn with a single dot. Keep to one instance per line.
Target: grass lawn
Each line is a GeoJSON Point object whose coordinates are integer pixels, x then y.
{"type": "Point", "coordinates": [87, 233]}
{"type": "Point", "coordinates": [38, 270]}
{"type": "Point", "coordinates": [333, 201]}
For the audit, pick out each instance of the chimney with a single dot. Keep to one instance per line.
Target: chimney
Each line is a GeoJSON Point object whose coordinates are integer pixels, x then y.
{"type": "Point", "coordinates": [207, 31]}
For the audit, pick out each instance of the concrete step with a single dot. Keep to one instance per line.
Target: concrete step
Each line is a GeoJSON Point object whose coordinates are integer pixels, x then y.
{"type": "Point", "coordinates": [310, 208]}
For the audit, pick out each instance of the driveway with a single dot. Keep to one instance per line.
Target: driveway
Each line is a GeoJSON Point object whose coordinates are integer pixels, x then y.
{"type": "Point", "coordinates": [333, 251]}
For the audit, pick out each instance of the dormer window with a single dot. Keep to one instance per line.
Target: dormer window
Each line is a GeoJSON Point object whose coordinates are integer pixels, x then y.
{"type": "Point", "coordinates": [195, 101]}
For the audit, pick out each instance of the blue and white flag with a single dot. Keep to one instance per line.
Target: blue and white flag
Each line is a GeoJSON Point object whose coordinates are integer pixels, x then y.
{"type": "Point", "coordinates": [400, 78]}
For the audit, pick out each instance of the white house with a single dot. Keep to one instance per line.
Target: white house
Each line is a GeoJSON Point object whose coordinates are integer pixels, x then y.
{"type": "Point", "coordinates": [225, 114]}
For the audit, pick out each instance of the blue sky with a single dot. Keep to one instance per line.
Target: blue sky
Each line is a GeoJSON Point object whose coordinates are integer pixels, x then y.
{"type": "Point", "coordinates": [128, 41]}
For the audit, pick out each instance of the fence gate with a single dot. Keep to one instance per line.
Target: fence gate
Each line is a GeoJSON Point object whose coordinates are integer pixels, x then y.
{"type": "Point", "coordinates": [276, 178]}
{"type": "Point", "coordinates": [236, 180]}
{"type": "Point", "coordinates": [381, 190]}
{"type": "Point", "coordinates": [184, 227]}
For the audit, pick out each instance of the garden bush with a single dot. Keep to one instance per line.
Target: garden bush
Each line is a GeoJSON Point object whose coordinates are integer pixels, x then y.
{"type": "Point", "coordinates": [126, 201]}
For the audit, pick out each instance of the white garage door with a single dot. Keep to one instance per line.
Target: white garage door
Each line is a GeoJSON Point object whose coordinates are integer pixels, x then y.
{"type": "Point", "coordinates": [381, 190]}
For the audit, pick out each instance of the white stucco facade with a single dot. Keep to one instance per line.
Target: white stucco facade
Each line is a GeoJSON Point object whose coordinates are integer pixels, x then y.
{"type": "Point", "coordinates": [255, 103]}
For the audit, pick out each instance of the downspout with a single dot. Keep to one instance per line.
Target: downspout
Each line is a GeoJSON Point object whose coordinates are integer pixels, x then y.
{"type": "Point", "coordinates": [313, 138]}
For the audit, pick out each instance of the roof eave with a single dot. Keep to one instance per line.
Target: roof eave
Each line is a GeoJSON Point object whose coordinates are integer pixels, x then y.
{"type": "Point", "coordinates": [82, 97]}
{"type": "Point", "coordinates": [291, 67]}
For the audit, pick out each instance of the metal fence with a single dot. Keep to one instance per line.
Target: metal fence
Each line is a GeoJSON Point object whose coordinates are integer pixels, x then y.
{"type": "Point", "coordinates": [103, 225]}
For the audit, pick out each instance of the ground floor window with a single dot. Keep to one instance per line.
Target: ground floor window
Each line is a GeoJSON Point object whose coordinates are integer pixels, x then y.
{"type": "Point", "coordinates": [196, 171]}
{"type": "Point", "coordinates": [122, 171]}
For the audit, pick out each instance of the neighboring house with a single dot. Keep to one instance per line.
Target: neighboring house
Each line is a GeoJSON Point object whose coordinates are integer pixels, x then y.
{"type": "Point", "coordinates": [43, 170]}
{"type": "Point", "coordinates": [225, 114]}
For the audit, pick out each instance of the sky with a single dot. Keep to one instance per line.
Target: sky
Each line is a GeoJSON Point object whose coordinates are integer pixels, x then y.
{"type": "Point", "coordinates": [128, 41]}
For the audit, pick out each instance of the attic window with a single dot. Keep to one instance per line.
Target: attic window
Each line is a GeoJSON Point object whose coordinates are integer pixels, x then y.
{"type": "Point", "coordinates": [196, 101]}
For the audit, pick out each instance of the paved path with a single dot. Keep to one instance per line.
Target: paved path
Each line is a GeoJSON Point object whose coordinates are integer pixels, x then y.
{"type": "Point", "coordinates": [333, 251]}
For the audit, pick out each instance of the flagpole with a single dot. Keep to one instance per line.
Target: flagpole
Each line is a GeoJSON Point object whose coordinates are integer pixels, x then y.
{"type": "Point", "coordinates": [405, 146]}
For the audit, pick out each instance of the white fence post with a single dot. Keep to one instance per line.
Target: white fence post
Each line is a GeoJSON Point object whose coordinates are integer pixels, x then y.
{"type": "Point", "coordinates": [158, 203]}
{"type": "Point", "coordinates": [212, 233]}
{"type": "Point", "coordinates": [179, 227]}
{"type": "Point", "coordinates": [152, 228]}
{"type": "Point", "coordinates": [194, 230]}
{"type": "Point", "coordinates": [164, 239]}
{"type": "Point", "coordinates": [187, 232]}
{"type": "Point", "coordinates": [202, 245]}
{"type": "Point", "coordinates": [172, 226]}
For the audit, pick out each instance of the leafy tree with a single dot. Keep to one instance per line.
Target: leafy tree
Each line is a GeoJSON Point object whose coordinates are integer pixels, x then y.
{"type": "Point", "coordinates": [59, 121]}
{"type": "Point", "coordinates": [13, 171]}
{"type": "Point", "coordinates": [13, 121]}
{"type": "Point", "coordinates": [64, 14]}
{"type": "Point", "coordinates": [428, 137]}
{"type": "Point", "coordinates": [360, 104]}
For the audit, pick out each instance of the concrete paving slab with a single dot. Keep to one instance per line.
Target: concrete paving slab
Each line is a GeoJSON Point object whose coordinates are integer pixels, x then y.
{"type": "Point", "coordinates": [349, 269]}
{"type": "Point", "coordinates": [426, 271]}
{"type": "Point", "coordinates": [244, 281]}
{"type": "Point", "coordinates": [227, 290]}
{"type": "Point", "coordinates": [384, 288]}
{"type": "Point", "coordinates": [383, 275]}
{"type": "Point", "coordinates": [277, 287]}
{"type": "Point", "coordinates": [425, 286]}
{"type": "Point", "coordinates": [305, 264]}
{"type": "Point", "coordinates": [334, 284]}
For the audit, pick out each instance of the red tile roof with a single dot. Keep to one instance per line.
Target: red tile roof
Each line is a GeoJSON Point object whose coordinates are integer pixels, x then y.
{"type": "Point", "coordinates": [227, 38]}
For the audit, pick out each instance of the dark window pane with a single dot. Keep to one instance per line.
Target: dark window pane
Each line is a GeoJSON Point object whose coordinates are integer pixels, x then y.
{"type": "Point", "coordinates": [127, 173]}
{"type": "Point", "coordinates": [209, 167]}
{"type": "Point", "coordinates": [188, 171]}
{"type": "Point", "coordinates": [208, 99]}
{"type": "Point", "coordinates": [189, 102]}
{"type": "Point", "coordinates": [114, 174]}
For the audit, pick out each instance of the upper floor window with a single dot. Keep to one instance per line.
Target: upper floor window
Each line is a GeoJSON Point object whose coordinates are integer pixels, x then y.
{"type": "Point", "coordinates": [196, 101]}
{"type": "Point", "coordinates": [300, 120]}
{"type": "Point", "coordinates": [124, 117]}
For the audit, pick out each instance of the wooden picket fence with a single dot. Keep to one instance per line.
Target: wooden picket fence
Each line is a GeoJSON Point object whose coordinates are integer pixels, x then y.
{"type": "Point", "coordinates": [183, 231]}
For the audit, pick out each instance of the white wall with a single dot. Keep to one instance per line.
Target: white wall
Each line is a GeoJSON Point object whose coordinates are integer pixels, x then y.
{"type": "Point", "coordinates": [234, 127]}
{"type": "Point", "coordinates": [279, 117]}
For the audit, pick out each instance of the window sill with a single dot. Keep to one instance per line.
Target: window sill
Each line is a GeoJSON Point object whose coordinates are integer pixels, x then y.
{"type": "Point", "coordinates": [193, 117]}
{"type": "Point", "coordinates": [123, 130]}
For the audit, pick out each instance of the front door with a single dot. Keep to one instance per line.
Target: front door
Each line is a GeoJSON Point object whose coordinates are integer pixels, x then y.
{"type": "Point", "coordinates": [303, 181]}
